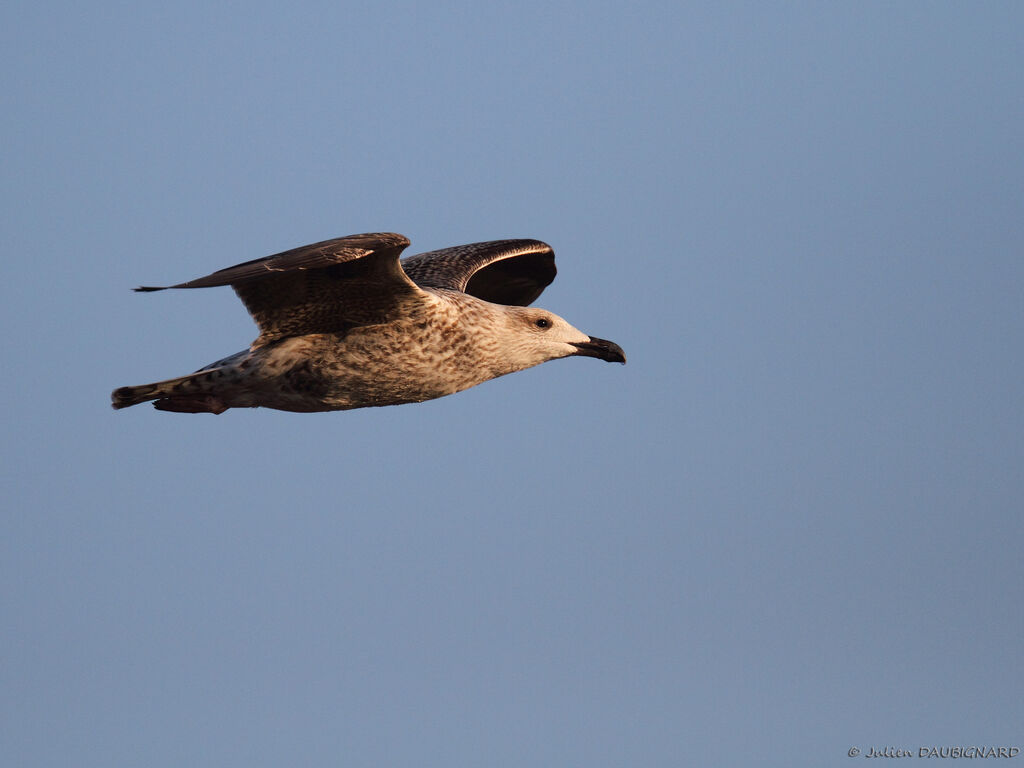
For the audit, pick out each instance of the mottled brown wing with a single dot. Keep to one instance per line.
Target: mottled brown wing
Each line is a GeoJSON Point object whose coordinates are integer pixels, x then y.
{"type": "Point", "coordinates": [320, 288]}
{"type": "Point", "coordinates": [510, 272]}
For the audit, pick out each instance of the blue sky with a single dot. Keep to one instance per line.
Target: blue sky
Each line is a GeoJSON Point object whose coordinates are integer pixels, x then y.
{"type": "Point", "coordinates": [789, 526]}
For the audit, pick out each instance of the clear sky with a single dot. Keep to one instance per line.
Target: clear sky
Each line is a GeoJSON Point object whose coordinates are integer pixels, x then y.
{"type": "Point", "coordinates": [791, 525]}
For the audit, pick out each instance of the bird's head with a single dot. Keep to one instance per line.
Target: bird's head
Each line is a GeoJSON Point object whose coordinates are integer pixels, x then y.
{"type": "Point", "coordinates": [539, 336]}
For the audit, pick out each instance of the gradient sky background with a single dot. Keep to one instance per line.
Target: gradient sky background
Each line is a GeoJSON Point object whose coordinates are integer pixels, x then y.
{"type": "Point", "coordinates": [789, 526]}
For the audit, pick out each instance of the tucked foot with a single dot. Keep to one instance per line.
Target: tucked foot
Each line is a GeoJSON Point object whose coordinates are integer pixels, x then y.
{"type": "Point", "coordinates": [190, 404]}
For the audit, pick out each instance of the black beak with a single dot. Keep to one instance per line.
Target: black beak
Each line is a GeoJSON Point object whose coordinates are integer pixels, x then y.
{"type": "Point", "coordinates": [605, 350]}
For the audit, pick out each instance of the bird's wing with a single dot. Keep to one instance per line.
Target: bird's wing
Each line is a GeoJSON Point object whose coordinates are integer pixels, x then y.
{"type": "Point", "coordinates": [511, 272]}
{"type": "Point", "coordinates": [320, 288]}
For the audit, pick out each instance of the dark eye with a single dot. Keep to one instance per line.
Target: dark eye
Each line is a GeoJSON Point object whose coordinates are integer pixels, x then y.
{"type": "Point", "coordinates": [542, 322]}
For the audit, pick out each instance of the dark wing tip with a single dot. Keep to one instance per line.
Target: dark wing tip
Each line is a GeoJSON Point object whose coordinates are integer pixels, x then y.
{"type": "Point", "coordinates": [324, 254]}
{"type": "Point", "coordinates": [517, 276]}
{"type": "Point", "coordinates": [511, 272]}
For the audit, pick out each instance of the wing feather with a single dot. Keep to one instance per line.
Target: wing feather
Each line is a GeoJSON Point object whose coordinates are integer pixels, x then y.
{"type": "Point", "coordinates": [511, 272]}
{"type": "Point", "coordinates": [325, 287]}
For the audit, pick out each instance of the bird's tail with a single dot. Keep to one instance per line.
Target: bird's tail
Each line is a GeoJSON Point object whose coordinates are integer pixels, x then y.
{"type": "Point", "coordinates": [184, 394]}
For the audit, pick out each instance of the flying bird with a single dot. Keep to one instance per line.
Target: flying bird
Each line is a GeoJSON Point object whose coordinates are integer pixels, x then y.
{"type": "Point", "coordinates": [345, 323]}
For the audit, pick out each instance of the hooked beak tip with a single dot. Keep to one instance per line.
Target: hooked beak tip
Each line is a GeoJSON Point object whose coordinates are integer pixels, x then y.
{"type": "Point", "coordinates": [602, 349]}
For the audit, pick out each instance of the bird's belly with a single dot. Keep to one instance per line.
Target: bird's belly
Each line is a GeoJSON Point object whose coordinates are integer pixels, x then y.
{"type": "Point", "coordinates": [327, 372]}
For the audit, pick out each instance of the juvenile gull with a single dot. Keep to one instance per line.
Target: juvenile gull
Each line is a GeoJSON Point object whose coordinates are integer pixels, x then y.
{"type": "Point", "coordinates": [345, 324]}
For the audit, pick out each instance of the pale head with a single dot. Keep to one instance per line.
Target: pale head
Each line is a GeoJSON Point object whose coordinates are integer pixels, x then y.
{"type": "Point", "coordinates": [533, 336]}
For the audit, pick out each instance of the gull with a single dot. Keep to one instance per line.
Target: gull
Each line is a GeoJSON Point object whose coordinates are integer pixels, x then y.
{"type": "Point", "coordinates": [345, 323]}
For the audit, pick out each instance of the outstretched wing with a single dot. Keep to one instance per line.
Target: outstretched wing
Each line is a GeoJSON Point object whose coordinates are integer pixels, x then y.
{"type": "Point", "coordinates": [511, 272]}
{"type": "Point", "coordinates": [320, 288]}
